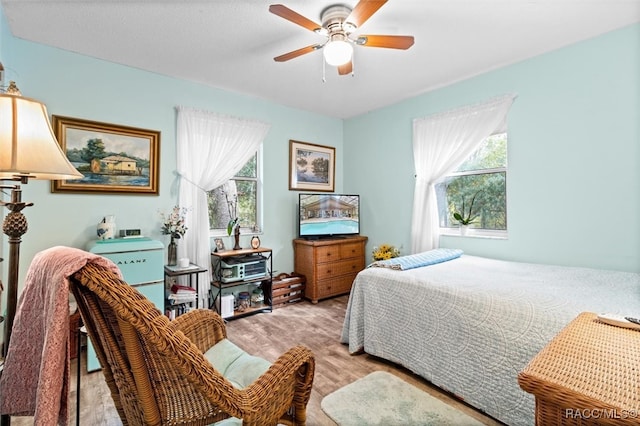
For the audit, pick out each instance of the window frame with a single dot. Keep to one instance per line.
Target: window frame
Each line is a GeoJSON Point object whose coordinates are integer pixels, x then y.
{"type": "Point", "coordinates": [258, 230]}
{"type": "Point", "coordinates": [481, 232]}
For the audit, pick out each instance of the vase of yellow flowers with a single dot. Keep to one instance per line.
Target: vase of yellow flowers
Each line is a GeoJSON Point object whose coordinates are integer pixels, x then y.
{"type": "Point", "coordinates": [385, 251]}
{"type": "Point", "coordinates": [173, 224]}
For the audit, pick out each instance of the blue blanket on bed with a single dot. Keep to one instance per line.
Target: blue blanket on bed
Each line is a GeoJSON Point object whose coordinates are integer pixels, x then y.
{"type": "Point", "coordinates": [418, 260]}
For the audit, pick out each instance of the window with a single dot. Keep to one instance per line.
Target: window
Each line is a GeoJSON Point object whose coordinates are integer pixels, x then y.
{"type": "Point", "coordinates": [480, 185]}
{"type": "Point", "coordinates": [238, 197]}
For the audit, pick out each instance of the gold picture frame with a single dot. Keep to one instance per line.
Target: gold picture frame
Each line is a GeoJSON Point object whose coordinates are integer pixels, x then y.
{"type": "Point", "coordinates": [113, 158]}
{"type": "Point", "coordinates": [311, 167]}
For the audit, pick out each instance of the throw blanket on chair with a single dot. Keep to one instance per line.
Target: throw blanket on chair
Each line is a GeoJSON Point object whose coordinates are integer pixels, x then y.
{"type": "Point", "coordinates": [35, 380]}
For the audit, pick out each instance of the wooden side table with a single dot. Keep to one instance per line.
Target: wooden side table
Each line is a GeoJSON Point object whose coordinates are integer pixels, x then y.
{"type": "Point", "coordinates": [589, 374]}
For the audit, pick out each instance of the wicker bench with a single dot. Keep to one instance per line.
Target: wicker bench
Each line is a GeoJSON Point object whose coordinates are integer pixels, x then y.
{"type": "Point", "coordinates": [589, 374]}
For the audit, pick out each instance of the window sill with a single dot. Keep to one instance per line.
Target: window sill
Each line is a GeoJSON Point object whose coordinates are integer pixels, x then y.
{"type": "Point", "coordinates": [215, 233]}
{"type": "Point", "coordinates": [475, 233]}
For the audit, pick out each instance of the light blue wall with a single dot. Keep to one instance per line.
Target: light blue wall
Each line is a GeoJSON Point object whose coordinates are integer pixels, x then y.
{"type": "Point", "coordinates": [4, 34]}
{"type": "Point", "coordinates": [574, 157]}
{"type": "Point", "coordinates": [79, 86]}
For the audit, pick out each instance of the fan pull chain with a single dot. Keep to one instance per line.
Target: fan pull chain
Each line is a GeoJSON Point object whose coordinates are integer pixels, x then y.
{"type": "Point", "coordinates": [324, 66]}
{"type": "Point", "coordinates": [353, 64]}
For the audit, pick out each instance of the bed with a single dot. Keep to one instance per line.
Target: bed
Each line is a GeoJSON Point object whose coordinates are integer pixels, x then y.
{"type": "Point", "coordinates": [469, 324]}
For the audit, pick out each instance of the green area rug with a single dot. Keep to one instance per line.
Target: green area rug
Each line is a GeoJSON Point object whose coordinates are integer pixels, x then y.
{"type": "Point", "coordinates": [384, 399]}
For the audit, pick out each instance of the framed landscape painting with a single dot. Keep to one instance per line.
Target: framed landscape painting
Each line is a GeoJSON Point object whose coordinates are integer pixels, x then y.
{"type": "Point", "coordinates": [311, 167]}
{"type": "Point", "coordinates": [113, 159]}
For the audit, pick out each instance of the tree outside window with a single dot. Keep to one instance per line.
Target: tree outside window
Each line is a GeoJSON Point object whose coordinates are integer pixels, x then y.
{"type": "Point", "coordinates": [238, 197]}
{"type": "Point", "coordinates": [483, 179]}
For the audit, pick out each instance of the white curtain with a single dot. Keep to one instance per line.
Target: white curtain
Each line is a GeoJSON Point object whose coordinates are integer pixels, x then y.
{"type": "Point", "coordinates": [441, 143]}
{"type": "Point", "coordinates": [211, 149]}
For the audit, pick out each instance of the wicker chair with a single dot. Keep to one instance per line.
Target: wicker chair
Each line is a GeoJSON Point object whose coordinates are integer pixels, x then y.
{"type": "Point", "coordinates": [157, 371]}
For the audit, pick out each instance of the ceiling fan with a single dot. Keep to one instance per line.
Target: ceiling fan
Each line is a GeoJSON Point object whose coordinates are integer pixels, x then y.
{"type": "Point", "coordinates": [339, 23]}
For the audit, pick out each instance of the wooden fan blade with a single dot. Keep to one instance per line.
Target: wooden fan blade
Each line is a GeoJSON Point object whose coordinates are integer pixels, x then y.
{"type": "Point", "coordinates": [288, 14]}
{"type": "Point", "coordinates": [364, 10]}
{"type": "Point", "coordinates": [296, 53]}
{"type": "Point", "coordinates": [388, 41]}
{"type": "Point", "coordinates": [346, 68]}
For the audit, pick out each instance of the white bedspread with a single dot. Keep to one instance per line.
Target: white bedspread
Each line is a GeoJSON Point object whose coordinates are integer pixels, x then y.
{"type": "Point", "coordinates": [470, 325]}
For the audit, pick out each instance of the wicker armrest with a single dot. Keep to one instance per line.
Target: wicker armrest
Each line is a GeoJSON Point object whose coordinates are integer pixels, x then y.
{"type": "Point", "coordinates": [203, 327]}
{"type": "Point", "coordinates": [289, 381]}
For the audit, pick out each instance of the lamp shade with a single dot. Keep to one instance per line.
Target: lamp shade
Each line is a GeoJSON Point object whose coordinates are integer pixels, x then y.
{"type": "Point", "coordinates": [28, 146]}
{"type": "Point", "coordinates": [338, 50]}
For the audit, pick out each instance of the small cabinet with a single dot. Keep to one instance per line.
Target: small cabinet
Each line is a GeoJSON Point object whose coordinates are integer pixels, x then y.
{"type": "Point", "coordinates": [330, 265]}
{"type": "Point", "coordinates": [141, 262]}
{"type": "Point", "coordinates": [242, 282]}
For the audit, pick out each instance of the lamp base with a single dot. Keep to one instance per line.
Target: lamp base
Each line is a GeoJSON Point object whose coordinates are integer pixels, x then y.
{"type": "Point", "coordinates": [14, 226]}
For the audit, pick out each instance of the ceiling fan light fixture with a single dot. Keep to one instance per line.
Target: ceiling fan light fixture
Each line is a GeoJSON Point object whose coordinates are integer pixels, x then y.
{"type": "Point", "coordinates": [338, 51]}
{"type": "Point", "coordinates": [339, 24]}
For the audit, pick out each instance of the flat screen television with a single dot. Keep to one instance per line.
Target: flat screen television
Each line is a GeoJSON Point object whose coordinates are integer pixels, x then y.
{"type": "Point", "coordinates": [328, 215]}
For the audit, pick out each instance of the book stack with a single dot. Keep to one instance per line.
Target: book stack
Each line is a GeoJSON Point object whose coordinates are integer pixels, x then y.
{"type": "Point", "coordinates": [181, 294]}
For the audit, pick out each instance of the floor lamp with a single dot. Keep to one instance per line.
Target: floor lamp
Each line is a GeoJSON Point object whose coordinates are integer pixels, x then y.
{"type": "Point", "coordinates": [28, 150]}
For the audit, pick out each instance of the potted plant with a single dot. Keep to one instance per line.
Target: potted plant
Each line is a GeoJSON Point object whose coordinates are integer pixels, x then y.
{"type": "Point", "coordinates": [233, 226]}
{"type": "Point", "coordinates": [466, 217]}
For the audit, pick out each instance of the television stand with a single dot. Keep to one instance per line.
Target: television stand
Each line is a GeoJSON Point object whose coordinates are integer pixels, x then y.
{"type": "Point", "coordinates": [325, 237]}
{"type": "Point", "coordinates": [329, 265]}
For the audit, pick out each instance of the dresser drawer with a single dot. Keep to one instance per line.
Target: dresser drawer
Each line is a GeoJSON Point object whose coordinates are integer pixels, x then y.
{"type": "Point", "coordinates": [351, 250]}
{"type": "Point", "coordinates": [327, 254]}
{"type": "Point", "coordinates": [333, 286]}
{"type": "Point", "coordinates": [349, 266]}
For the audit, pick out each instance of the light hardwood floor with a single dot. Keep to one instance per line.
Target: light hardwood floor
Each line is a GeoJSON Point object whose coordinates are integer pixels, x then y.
{"type": "Point", "coordinates": [268, 335]}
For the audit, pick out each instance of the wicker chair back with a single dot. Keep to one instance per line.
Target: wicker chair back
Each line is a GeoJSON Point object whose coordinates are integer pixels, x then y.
{"type": "Point", "coordinates": [156, 370]}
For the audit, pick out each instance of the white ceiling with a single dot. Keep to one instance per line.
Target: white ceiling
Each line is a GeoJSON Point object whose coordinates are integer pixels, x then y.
{"type": "Point", "coordinates": [230, 44]}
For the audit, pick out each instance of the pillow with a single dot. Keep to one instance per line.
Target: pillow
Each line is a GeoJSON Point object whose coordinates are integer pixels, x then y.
{"type": "Point", "coordinates": [419, 260]}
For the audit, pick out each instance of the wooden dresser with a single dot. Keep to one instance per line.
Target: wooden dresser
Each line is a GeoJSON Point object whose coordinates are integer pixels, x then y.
{"type": "Point", "coordinates": [329, 265]}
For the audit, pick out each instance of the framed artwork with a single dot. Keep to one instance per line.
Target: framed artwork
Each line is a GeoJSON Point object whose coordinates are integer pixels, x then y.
{"type": "Point", "coordinates": [219, 244]}
{"type": "Point", "coordinates": [311, 167]}
{"type": "Point", "coordinates": [113, 159]}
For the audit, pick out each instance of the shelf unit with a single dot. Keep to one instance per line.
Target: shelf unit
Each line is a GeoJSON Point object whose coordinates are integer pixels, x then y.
{"type": "Point", "coordinates": [174, 273]}
{"type": "Point", "coordinates": [228, 279]}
